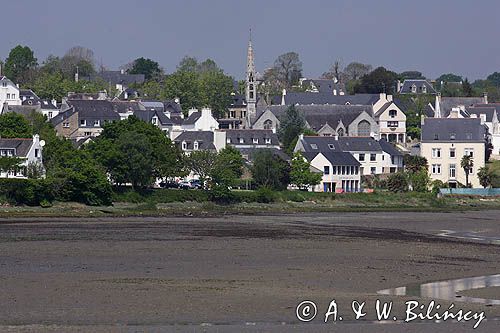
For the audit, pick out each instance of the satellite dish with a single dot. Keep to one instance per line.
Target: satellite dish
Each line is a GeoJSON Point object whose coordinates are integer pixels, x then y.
{"type": "Point", "coordinates": [42, 143]}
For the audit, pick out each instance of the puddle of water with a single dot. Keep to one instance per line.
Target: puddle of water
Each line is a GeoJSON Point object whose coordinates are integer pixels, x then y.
{"type": "Point", "coordinates": [448, 290]}
{"type": "Point", "coordinates": [470, 235]}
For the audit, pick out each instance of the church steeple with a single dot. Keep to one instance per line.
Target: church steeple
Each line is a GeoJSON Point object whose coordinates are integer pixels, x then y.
{"type": "Point", "coordinates": [251, 86]}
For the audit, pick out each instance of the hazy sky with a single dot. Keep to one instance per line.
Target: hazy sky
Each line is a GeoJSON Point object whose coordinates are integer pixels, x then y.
{"type": "Point", "coordinates": [434, 37]}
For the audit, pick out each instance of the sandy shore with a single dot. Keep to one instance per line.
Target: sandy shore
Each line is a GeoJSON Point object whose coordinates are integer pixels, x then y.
{"type": "Point", "coordinates": [234, 273]}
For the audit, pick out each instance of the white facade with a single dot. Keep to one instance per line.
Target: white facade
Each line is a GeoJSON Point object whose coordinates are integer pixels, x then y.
{"type": "Point", "coordinates": [9, 92]}
{"type": "Point", "coordinates": [32, 155]}
{"type": "Point", "coordinates": [336, 178]}
{"type": "Point", "coordinates": [378, 162]}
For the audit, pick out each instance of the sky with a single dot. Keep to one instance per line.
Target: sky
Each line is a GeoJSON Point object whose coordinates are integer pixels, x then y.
{"type": "Point", "coordinates": [431, 36]}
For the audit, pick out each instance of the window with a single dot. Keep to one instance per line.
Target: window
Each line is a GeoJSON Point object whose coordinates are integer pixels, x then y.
{"type": "Point", "coordinates": [452, 152]}
{"type": "Point", "coordinates": [393, 124]}
{"type": "Point", "coordinates": [268, 124]}
{"type": "Point", "coordinates": [97, 123]}
{"type": "Point", "coordinates": [436, 136]}
{"type": "Point", "coordinates": [334, 170]}
{"type": "Point", "coordinates": [373, 157]}
{"type": "Point", "coordinates": [453, 170]}
{"type": "Point", "coordinates": [373, 170]}
{"type": "Point", "coordinates": [83, 122]}
{"type": "Point", "coordinates": [195, 145]}
{"type": "Point", "coordinates": [268, 141]}
{"type": "Point", "coordinates": [8, 96]}
{"type": "Point", "coordinates": [343, 170]}
{"type": "Point", "coordinates": [393, 113]}
{"type": "Point", "coordinates": [326, 170]}
{"type": "Point", "coordinates": [469, 152]}
{"type": "Point", "coordinates": [37, 152]}
{"type": "Point", "coordinates": [436, 169]}
{"type": "Point", "coordinates": [314, 146]}
{"type": "Point", "coordinates": [436, 152]}
{"type": "Point", "coordinates": [13, 96]}
{"type": "Point", "coordinates": [331, 146]}
{"type": "Point", "coordinates": [87, 133]}
{"type": "Point", "coordinates": [424, 89]}
{"type": "Point", "coordinates": [361, 157]}
{"type": "Point", "coordinates": [340, 132]}
{"type": "Point", "coordinates": [468, 136]}
{"type": "Point", "coordinates": [154, 120]}
{"type": "Point", "coordinates": [184, 145]}
{"type": "Point", "coordinates": [241, 140]}
{"type": "Point", "coordinates": [255, 140]}
{"type": "Point", "coordinates": [228, 140]}
{"type": "Point", "coordinates": [4, 84]}
{"type": "Point", "coordinates": [414, 89]}
{"type": "Point", "coordinates": [232, 114]}
{"type": "Point", "coordinates": [50, 114]}
{"type": "Point", "coordinates": [452, 136]}
{"type": "Point", "coordinates": [66, 125]}
{"type": "Point", "coordinates": [364, 128]}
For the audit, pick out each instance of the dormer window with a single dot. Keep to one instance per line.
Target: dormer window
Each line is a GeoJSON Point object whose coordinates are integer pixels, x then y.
{"type": "Point", "coordinates": [314, 146]}
{"type": "Point", "coordinates": [228, 140]}
{"type": "Point", "coordinates": [268, 141]}
{"type": "Point", "coordinates": [436, 136]}
{"type": "Point", "coordinates": [184, 145]}
{"type": "Point", "coordinates": [241, 140]}
{"type": "Point", "coordinates": [196, 145]}
{"type": "Point", "coordinates": [97, 123]}
{"type": "Point", "coordinates": [452, 136]}
{"type": "Point", "coordinates": [154, 120]}
{"type": "Point", "coordinates": [393, 113]}
{"type": "Point", "coordinates": [424, 89]}
{"type": "Point", "coordinates": [255, 140]}
{"type": "Point", "coordinates": [414, 89]}
{"type": "Point", "coordinates": [331, 146]}
{"type": "Point", "coordinates": [468, 136]}
{"type": "Point", "coordinates": [83, 122]}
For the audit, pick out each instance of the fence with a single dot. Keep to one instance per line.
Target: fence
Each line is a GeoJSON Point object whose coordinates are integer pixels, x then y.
{"type": "Point", "coordinates": [470, 191]}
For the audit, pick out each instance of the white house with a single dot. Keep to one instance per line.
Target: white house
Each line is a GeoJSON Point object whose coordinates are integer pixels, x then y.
{"type": "Point", "coordinates": [9, 92]}
{"type": "Point", "coordinates": [375, 157]}
{"type": "Point", "coordinates": [29, 150]}
{"type": "Point", "coordinates": [340, 171]}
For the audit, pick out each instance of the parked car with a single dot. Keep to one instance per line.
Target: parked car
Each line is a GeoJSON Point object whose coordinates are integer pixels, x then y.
{"type": "Point", "coordinates": [169, 184]}
{"type": "Point", "coordinates": [190, 184]}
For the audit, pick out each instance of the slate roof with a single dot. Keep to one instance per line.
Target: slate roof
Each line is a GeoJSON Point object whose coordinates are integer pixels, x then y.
{"type": "Point", "coordinates": [153, 105]}
{"type": "Point", "coordinates": [116, 77]}
{"type": "Point", "coordinates": [407, 84]}
{"type": "Point", "coordinates": [28, 97]}
{"type": "Point", "coordinates": [205, 139]}
{"type": "Point", "coordinates": [335, 158]}
{"type": "Point", "coordinates": [319, 98]}
{"type": "Point", "coordinates": [147, 116]}
{"type": "Point", "coordinates": [488, 111]}
{"type": "Point", "coordinates": [323, 85]}
{"type": "Point", "coordinates": [21, 146]}
{"type": "Point", "coordinates": [125, 106]}
{"type": "Point", "coordinates": [313, 144]}
{"type": "Point", "coordinates": [249, 153]}
{"type": "Point", "coordinates": [462, 129]}
{"type": "Point", "coordinates": [238, 101]}
{"type": "Point", "coordinates": [89, 110]}
{"type": "Point", "coordinates": [24, 110]}
{"type": "Point", "coordinates": [47, 105]}
{"type": "Point", "coordinates": [319, 115]}
{"type": "Point", "coordinates": [234, 135]}
{"type": "Point", "coordinates": [192, 118]}
{"type": "Point", "coordinates": [172, 107]}
{"type": "Point", "coordinates": [448, 103]}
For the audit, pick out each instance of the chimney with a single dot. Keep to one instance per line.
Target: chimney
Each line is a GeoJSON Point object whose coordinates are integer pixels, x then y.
{"type": "Point", "coordinates": [389, 98]}
{"type": "Point", "coordinates": [206, 112]}
{"type": "Point", "coordinates": [102, 95]}
{"type": "Point", "coordinates": [485, 97]}
{"type": "Point", "coordinates": [454, 112]}
{"type": "Point", "coordinates": [336, 137]}
{"type": "Point", "coordinates": [437, 107]}
{"type": "Point", "coordinates": [191, 111]}
{"type": "Point", "coordinates": [301, 136]}
{"type": "Point", "coordinates": [399, 86]}
{"type": "Point", "coordinates": [54, 102]}
{"type": "Point", "coordinates": [422, 120]}
{"type": "Point", "coordinates": [283, 94]}
{"type": "Point", "coordinates": [383, 96]}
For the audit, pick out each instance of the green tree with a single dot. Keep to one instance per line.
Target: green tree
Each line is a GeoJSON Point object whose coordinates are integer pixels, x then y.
{"type": "Point", "coordinates": [485, 177]}
{"type": "Point", "coordinates": [136, 152]}
{"type": "Point", "coordinates": [378, 81]}
{"type": "Point", "coordinates": [397, 182]}
{"type": "Point", "coordinates": [270, 171]}
{"type": "Point", "coordinates": [188, 64]}
{"type": "Point", "coordinates": [202, 163]}
{"type": "Point", "coordinates": [467, 88]}
{"type": "Point", "coordinates": [301, 174]}
{"type": "Point", "coordinates": [145, 66]}
{"type": "Point", "coordinates": [228, 167]}
{"type": "Point", "coordinates": [13, 125]}
{"type": "Point", "coordinates": [467, 164]}
{"type": "Point", "coordinates": [411, 75]}
{"type": "Point", "coordinates": [20, 62]}
{"type": "Point", "coordinates": [292, 123]}
{"type": "Point", "coordinates": [185, 86]}
{"type": "Point", "coordinates": [414, 164]}
{"type": "Point", "coordinates": [494, 79]}
{"type": "Point", "coordinates": [419, 180]}
{"type": "Point", "coordinates": [10, 164]}
{"type": "Point", "coordinates": [215, 91]}
{"type": "Point", "coordinates": [288, 69]}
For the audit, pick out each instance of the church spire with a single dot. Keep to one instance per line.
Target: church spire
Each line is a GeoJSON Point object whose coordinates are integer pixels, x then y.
{"type": "Point", "coordinates": [251, 86]}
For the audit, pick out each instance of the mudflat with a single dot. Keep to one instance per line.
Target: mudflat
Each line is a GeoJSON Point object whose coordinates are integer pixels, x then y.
{"type": "Point", "coordinates": [236, 273]}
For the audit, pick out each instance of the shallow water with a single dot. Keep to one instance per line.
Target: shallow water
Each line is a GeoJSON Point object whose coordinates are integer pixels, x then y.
{"type": "Point", "coordinates": [449, 289]}
{"type": "Point", "coordinates": [471, 235]}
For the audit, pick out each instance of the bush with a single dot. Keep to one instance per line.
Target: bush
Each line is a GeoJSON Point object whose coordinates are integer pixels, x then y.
{"type": "Point", "coordinates": [436, 185]}
{"type": "Point", "coordinates": [420, 181]}
{"type": "Point", "coordinates": [26, 191]}
{"type": "Point", "coordinates": [222, 195]}
{"type": "Point", "coordinates": [265, 195]}
{"type": "Point", "coordinates": [397, 182]}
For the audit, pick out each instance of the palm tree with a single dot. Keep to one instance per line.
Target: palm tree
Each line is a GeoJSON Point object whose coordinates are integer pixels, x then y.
{"type": "Point", "coordinates": [467, 163]}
